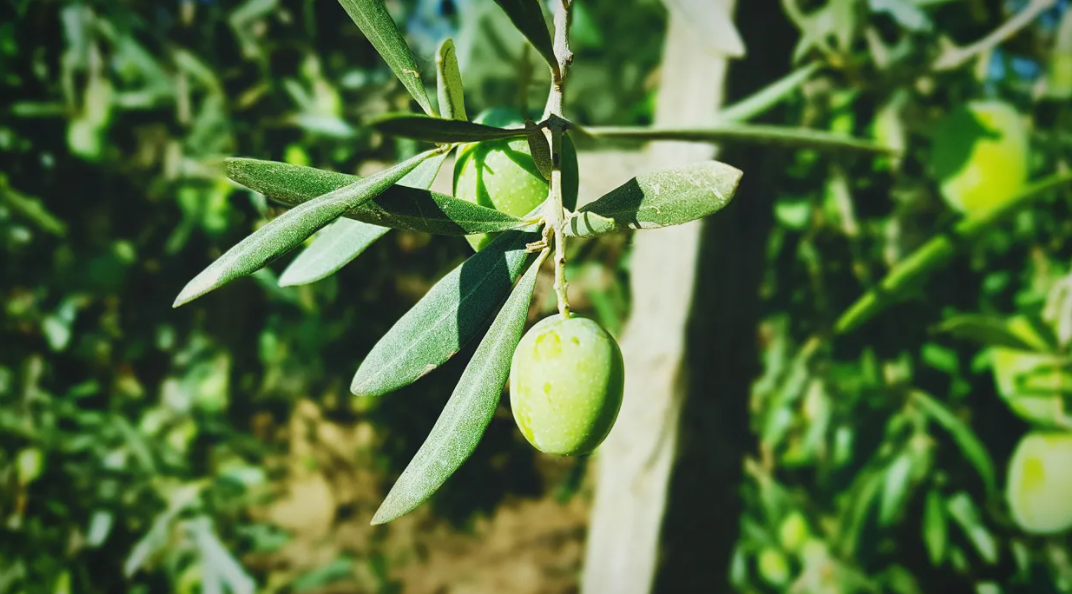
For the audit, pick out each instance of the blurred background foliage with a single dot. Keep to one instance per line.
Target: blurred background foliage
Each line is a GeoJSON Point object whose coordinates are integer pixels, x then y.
{"type": "Point", "coordinates": [215, 446]}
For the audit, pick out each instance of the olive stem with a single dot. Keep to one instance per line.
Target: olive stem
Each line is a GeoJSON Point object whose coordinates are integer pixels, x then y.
{"type": "Point", "coordinates": [556, 125]}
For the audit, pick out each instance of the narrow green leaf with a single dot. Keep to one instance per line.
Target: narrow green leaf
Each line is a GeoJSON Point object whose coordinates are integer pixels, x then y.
{"type": "Point", "coordinates": [540, 150]}
{"type": "Point", "coordinates": [446, 318]}
{"type": "Point", "coordinates": [658, 199]}
{"type": "Point", "coordinates": [398, 207]}
{"type": "Point", "coordinates": [969, 444]}
{"type": "Point", "coordinates": [914, 269]}
{"type": "Point", "coordinates": [987, 330]}
{"type": "Point", "coordinates": [770, 95]}
{"type": "Point", "coordinates": [895, 486]}
{"type": "Point", "coordinates": [345, 239]}
{"type": "Point", "coordinates": [375, 22]}
{"type": "Point", "coordinates": [449, 83]}
{"type": "Point", "coordinates": [334, 247]}
{"type": "Point", "coordinates": [469, 410]}
{"type": "Point", "coordinates": [527, 16]}
{"type": "Point", "coordinates": [963, 511]}
{"type": "Point", "coordinates": [935, 528]}
{"type": "Point", "coordinates": [731, 133]}
{"type": "Point", "coordinates": [290, 229]}
{"type": "Point", "coordinates": [439, 130]}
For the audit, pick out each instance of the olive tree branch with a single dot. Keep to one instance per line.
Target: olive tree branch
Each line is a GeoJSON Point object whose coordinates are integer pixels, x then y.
{"type": "Point", "coordinates": [954, 56]}
{"type": "Point", "coordinates": [555, 126]}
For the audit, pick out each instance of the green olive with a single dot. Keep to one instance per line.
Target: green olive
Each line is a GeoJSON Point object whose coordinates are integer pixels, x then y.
{"type": "Point", "coordinates": [501, 174]}
{"type": "Point", "coordinates": [1039, 489]}
{"type": "Point", "coordinates": [981, 155]}
{"type": "Point", "coordinates": [566, 382]}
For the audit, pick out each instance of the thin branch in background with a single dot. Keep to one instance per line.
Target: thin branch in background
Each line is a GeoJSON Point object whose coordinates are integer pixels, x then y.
{"type": "Point", "coordinates": [954, 56]}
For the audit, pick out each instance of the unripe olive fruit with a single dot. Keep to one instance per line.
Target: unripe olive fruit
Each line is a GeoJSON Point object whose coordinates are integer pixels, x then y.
{"type": "Point", "coordinates": [980, 155]}
{"type": "Point", "coordinates": [566, 382]}
{"type": "Point", "coordinates": [1039, 489]}
{"type": "Point", "coordinates": [773, 566]}
{"type": "Point", "coordinates": [501, 174]}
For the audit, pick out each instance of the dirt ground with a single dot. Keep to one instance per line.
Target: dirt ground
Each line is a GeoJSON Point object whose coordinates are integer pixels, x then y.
{"type": "Point", "coordinates": [527, 546]}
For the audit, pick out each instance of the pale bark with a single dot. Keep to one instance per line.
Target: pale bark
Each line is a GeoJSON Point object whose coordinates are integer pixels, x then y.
{"type": "Point", "coordinates": [633, 466]}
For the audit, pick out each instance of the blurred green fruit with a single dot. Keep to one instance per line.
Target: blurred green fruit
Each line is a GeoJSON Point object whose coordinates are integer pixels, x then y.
{"type": "Point", "coordinates": [1039, 489]}
{"type": "Point", "coordinates": [794, 532]}
{"type": "Point", "coordinates": [566, 382]}
{"type": "Point", "coordinates": [501, 174]}
{"type": "Point", "coordinates": [1033, 385]}
{"type": "Point", "coordinates": [773, 567]}
{"type": "Point", "coordinates": [980, 155]}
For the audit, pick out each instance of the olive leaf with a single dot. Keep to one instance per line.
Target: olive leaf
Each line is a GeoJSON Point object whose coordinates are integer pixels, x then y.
{"type": "Point", "coordinates": [398, 207]}
{"type": "Point", "coordinates": [449, 82]}
{"type": "Point", "coordinates": [439, 130]}
{"type": "Point", "coordinates": [935, 528]}
{"type": "Point", "coordinates": [334, 247]}
{"type": "Point", "coordinates": [964, 512]}
{"type": "Point", "coordinates": [658, 199]}
{"type": "Point", "coordinates": [915, 268]}
{"type": "Point", "coordinates": [372, 17]}
{"type": "Point", "coordinates": [969, 444]}
{"type": "Point", "coordinates": [527, 16]}
{"type": "Point", "coordinates": [752, 134]}
{"type": "Point", "coordinates": [345, 239]}
{"type": "Point", "coordinates": [293, 227]}
{"type": "Point", "coordinates": [446, 318]}
{"type": "Point", "coordinates": [469, 410]}
{"type": "Point", "coordinates": [896, 483]}
{"type": "Point", "coordinates": [987, 330]}
{"type": "Point", "coordinates": [540, 149]}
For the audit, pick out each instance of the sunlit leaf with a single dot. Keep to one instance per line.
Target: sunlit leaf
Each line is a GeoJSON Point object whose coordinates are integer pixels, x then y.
{"type": "Point", "coordinates": [398, 207]}
{"type": "Point", "coordinates": [449, 83]}
{"type": "Point", "coordinates": [446, 318]}
{"type": "Point", "coordinates": [215, 555]}
{"type": "Point", "coordinates": [964, 512]}
{"type": "Point", "coordinates": [469, 410]}
{"type": "Point", "coordinates": [372, 17]}
{"type": "Point", "coordinates": [935, 528]}
{"type": "Point", "coordinates": [290, 229]}
{"type": "Point", "coordinates": [895, 486]}
{"type": "Point", "coordinates": [528, 18]}
{"type": "Point", "coordinates": [969, 444]}
{"type": "Point", "coordinates": [746, 134]}
{"type": "Point", "coordinates": [345, 239]}
{"type": "Point", "coordinates": [658, 199]}
{"type": "Point", "coordinates": [431, 129]}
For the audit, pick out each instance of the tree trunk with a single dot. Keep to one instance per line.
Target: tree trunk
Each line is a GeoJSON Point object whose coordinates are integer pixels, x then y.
{"type": "Point", "coordinates": [668, 486]}
{"type": "Point", "coordinates": [634, 464]}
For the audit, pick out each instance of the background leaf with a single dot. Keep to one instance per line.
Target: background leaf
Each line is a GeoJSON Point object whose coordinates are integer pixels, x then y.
{"type": "Point", "coordinates": [375, 22]}
{"type": "Point", "coordinates": [963, 436]}
{"type": "Point", "coordinates": [446, 318]}
{"type": "Point", "coordinates": [658, 199]}
{"type": "Point", "coordinates": [469, 410]}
